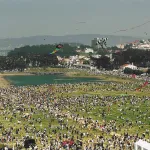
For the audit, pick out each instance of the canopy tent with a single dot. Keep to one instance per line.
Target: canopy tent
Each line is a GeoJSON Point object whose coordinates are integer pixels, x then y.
{"type": "Point", "coordinates": [142, 145]}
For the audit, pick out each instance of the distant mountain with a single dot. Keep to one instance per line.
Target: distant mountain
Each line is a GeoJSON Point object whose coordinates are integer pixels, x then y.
{"type": "Point", "coordinates": [11, 43]}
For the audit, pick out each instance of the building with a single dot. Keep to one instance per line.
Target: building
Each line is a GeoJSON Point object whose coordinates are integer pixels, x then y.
{"type": "Point", "coordinates": [121, 46]}
{"type": "Point", "coordinates": [78, 50]}
{"type": "Point", "coordinates": [143, 45]}
{"type": "Point", "coordinates": [109, 55]}
{"type": "Point", "coordinates": [93, 43]}
{"type": "Point", "coordinates": [89, 50]}
{"type": "Point", "coordinates": [131, 66]}
{"type": "Point", "coordinates": [96, 56]}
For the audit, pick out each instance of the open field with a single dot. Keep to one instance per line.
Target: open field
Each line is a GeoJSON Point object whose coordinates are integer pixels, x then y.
{"type": "Point", "coordinates": [83, 112]}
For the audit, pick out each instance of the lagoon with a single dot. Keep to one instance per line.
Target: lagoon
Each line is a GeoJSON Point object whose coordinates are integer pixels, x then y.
{"type": "Point", "coordinates": [24, 80]}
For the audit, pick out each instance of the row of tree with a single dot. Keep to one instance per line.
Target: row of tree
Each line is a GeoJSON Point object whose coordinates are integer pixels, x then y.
{"type": "Point", "coordinates": [38, 55]}
{"type": "Point", "coordinates": [67, 50]}
{"type": "Point", "coordinates": [131, 71]}
{"type": "Point", "coordinates": [140, 58]}
{"type": "Point", "coordinates": [35, 56]}
{"type": "Point", "coordinates": [21, 62]}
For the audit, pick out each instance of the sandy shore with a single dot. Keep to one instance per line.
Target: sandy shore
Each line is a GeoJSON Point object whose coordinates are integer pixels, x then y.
{"type": "Point", "coordinates": [4, 83]}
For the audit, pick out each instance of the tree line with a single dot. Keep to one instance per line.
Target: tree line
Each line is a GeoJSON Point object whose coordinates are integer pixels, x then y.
{"type": "Point", "coordinates": [34, 56]}
{"type": "Point", "coordinates": [21, 62]}
{"type": "Point", "coordinates": [38, 56]}
{"type": "Point", "coordinates": [140, 58]}
{"type": "Point", "coordinates": [43, 50]}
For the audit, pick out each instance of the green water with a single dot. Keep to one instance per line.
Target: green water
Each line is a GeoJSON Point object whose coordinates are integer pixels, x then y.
{"type": "Point", "coordinates": [47, 79]}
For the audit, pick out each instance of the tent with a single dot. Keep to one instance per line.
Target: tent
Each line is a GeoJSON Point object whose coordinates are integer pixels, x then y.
{"type": "Point", "coordinates": [142, 145]}
{"type": "Point", "coordinates": [131, 66]}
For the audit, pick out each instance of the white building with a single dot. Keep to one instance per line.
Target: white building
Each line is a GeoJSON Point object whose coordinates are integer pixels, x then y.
{"type": "Point", "coordinates": [109, 55]}
{"type": "Point", "coordinates": [96, 56]}
{"type": "Point", "coordinates": [89, 50]}
{"type": "Point", "coordinates": [141, 145]}
{"type": "Point", "coordinates": [59, 58]}
{"type": "Point", "coordinates": [121, 46]}
{"type": "Point", "coordinates": [73, 59]}
{"type": "Point", "coordinates": [144, 45]}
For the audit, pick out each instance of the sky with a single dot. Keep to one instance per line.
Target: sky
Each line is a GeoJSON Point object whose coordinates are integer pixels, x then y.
{"type": "Point", "coordinates": [23, 18]}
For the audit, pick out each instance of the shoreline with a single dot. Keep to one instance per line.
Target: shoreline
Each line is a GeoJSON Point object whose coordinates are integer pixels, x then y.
{"type": "Point", "coordinates": [5, 83]}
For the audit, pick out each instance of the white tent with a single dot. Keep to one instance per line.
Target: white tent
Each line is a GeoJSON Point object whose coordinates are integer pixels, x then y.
{"type": "Point", "coordinates": [130, 66]}
{"type": "Point", "coordinates": [142, 145]}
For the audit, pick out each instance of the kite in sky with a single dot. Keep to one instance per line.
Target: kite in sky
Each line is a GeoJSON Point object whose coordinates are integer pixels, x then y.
{"type": "Point", "coordinates": [58, 48]}
{"type": "Point", "coordinates": [145, 83]}
{"type": "Point", "coordinates": [145, 33]}
{"type": "Point", "coordinates": [132, 28]}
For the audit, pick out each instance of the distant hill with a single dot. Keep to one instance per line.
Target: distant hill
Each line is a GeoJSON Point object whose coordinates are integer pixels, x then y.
{"type": "Point", "coordinates": [9, 44]}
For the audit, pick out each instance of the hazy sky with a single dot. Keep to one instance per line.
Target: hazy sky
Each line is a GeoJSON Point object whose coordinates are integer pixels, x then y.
{"type": "Point", "coordinates": [21, 18]}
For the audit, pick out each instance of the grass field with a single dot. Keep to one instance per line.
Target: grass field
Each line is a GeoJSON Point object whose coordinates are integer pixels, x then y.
{"type": "Point", "coordinates": [102, 102]}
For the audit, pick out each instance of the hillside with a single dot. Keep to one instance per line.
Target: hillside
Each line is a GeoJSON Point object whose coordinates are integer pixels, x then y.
{"type": "Point", "coordinates": [11, 43]}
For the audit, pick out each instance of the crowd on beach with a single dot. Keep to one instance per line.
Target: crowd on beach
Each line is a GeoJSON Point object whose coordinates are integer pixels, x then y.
{"type": "Point", "coordinates": [65, 117]}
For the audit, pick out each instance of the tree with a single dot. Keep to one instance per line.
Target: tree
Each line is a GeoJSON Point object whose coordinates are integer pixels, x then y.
{"type": "Point", "coordinates": [103, 62]}
{"type": "Point", "coordinates": [136, 56]}
{"type": "Point", "coordinates": [42, 50]}
{"type": "Point", "coordinates": [21, 62]}
{"type": "Point", "coordinates": [84, 46]}
{"type": "Point", "coordinates": [37, 56]}
{"type": "Point", "coordinates": [148, 71]}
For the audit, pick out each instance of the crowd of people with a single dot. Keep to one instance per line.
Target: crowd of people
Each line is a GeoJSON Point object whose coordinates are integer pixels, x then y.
{"type": "Point", "coordinates": [88, 116]}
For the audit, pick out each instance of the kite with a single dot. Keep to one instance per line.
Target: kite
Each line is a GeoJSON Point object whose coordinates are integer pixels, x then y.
{"type": "Point", "coordinates": [58, 48]}
{"type": "Point", "coordinates": [102, 42]}
{"type": "Point", "coordinates": [132, 28]}
{"type": "Point", "coordinates": [145, 33]}
{"type": "Point", "coordinates": [82, 22]}
{"type": "Point", "coordinates": [145, 83]}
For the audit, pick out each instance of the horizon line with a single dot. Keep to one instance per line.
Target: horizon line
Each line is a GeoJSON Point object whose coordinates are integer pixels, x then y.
{"type": "Point", "coordinates": [4, 38]}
